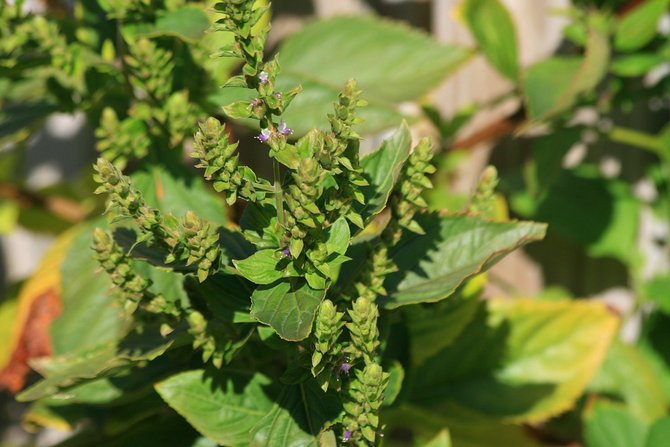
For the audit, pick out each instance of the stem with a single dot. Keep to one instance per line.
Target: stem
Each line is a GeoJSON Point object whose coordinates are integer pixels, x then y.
{"type": "Point", "coordinates": [264, 187]}
{"type": "Point", "coordinates": [636, 138]}
{"type": "Point", "coordinates": [279, 195]}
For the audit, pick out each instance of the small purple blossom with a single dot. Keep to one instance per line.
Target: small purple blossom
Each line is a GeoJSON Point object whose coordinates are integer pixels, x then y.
{"type": "Point", "coordinates": [346, 436]}
{"type": "Point", "coordinates": [264, 135]}
{"type": "Point", "coordinates": [255, 103]}
{"type": "Point", "coordinates": [263, 76]}
{"type": "Point", "coordinates": [285, 252]}
{"type": "Point", "coordinates": [345, 367]}
{"type": "Point", "coordinates": [284, 129]}
{"type": "Point", "coordinates": [277, 95]}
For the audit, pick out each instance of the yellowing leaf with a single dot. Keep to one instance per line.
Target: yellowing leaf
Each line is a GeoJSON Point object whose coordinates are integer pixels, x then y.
{"type": "Point", "coordinates": [8, 312]}
{"type": "Point", "coordinates": [38, 304]}
{"type": "Point", "coordinates": [561, 343]}
{"type": "Point", "coordinates": [519, 360]}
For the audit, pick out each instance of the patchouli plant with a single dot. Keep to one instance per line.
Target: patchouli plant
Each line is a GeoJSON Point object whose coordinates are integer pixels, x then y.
{"type": "Point", "coordinates": [312, 321]}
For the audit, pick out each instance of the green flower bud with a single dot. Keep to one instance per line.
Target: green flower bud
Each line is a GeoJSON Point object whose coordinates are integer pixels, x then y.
{"type": "Point", "coordinates": [406, 200]}
{"type": "Point", "coordinates": [151, 68]}
{"type": "Point", "coordinates": [484, 199]}
{"type": "Point", "coordinates": [131, 287]}
{"type": "Point", "coordinates": [363, 329]}
{"type": "Point", "coordinates": [217, 157]}
{"type": "Point", "coordinates": [327, 329]}
{"type": "Point", "coordinates": [200, 244]}
{"type": "Point", "coordinates": [364, 398]}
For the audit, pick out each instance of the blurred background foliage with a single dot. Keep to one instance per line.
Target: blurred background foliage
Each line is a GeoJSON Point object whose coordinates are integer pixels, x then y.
{"type": "Point", "coordinates": [578, 133]}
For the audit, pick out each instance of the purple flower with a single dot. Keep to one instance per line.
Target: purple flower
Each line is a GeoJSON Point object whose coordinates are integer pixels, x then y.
{"type": "Point", "coordinates": [283, 129]}
{"type": "Point", "coordinates": [263, 76]}
{"type": "Point", "coordinates": [277, 95]}
{"type": "Point", "coordinates": [346, 436]}
{"type": "Point", "coordinates": [255, 103]}
{"type": "Point", "coordinates": [285, 252]}
{"type": "Point", "coordinates": [264, 135]}
{"type": "Point", "coordinates": [345, 367]}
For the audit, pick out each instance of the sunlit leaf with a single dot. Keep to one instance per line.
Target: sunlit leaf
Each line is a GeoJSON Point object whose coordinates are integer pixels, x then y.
{"type": "Point", "coordinates": [638, 27]}
{"type": "Point", "coordinates": [288, 308]}
{"type": "Point", "coordinates": [611, 425]}
{"type": "Point", "coordinates": [382, 170]}
{"type": "Point", "coordinates": [297, 417]}
{"type": "Point", "coordinates": [504, 363]}
{"type": "Point", "coordinates": [493, 28]}
{"type": "Point", "coordinates": [223, 407]}
{"type": "Point", "coordinates": [454, 248]}
{"type": "Point", "coordinates": [390, 61]}
{"type": "Point", "coordinates": [553, 85]}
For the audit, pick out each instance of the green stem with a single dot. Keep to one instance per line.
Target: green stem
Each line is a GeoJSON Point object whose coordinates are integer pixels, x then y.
{"type": "Point", "coordinates": [264, 187]}
{"type": "Point", "coordinates": [638, 139]}
{"type": "Point", "coordinates": [279, 194]}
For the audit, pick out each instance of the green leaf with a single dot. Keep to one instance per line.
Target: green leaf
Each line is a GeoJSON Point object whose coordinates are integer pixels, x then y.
{"type": "Point", "coordinates": [14, 118]}
{"type": "Point", "coordinates": [637, 64]}
{"type": "Point", "coordinates": [659, 433]}
{"type": "Point", "coordinates": [261, 267]}
{"type": "Point", "coordinates": [390, 61]}
{"type": "Point", "coordinates": [187, 23]}
{"type": "Point", "coordinates": [546, 82]}
{"type": "Point", "coordinates": [338, 237]}
{"type": "Point", "coordinates": [467, 428]}
{"type": "Point", "coordinates": [454, 248]}
{"type": "Point", "coordinates": [382, 169]}
{"type": "Point", "coordinates": [178, 192]}
{"type": "Point", "coordinates": [297, 417]}
{"type": "Point", "coordinates": [119, 388]}
{"type": "Point", "coordinates": [654, 345]}
{"type": "Point", "coordinates": [601, 214]}
{"type": "Point", "coordinates": [289, 309]}
{"type": "Point", "coordinates": [396, 377]}
{"type": "Point", "coordinates": [164, 282]}
{"type": "Point", "coordinates": [222, 406]}
{"type": "Point", "coordinates": [89, 316]}
{"type": "Point", "coordinates": [153, 429]}
{"type": "Point", "coordinates": [310, 108]}
{"type": "Point", "coordinates": [493, 28]}
{"type": "Point", "coordinates": [628, 374]}
{"type": "Point", "coordinates": [638, 27]}
{"type": "Point", "coordinates": [553, 85]}
{"type": "Point", "coordinates": [435, 328]}
{"type": "Point", "coordinates": [504, 363]}
{"type": "Point", "coordinates": [65, 371]}
{"type": "Point", "coordinates": [548, 153]}
{"type": "Point", "coordinates": [442, 439]}
{"type": "Point", "coordinates": [238, 110]}
{"type": "Point", "coordinates": [611, 425]}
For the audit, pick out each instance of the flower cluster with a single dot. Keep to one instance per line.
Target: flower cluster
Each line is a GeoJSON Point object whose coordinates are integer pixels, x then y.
{"type": "Point", "coordinates": [363, 401]}
{"type": "Point", "coordinates": [119, 141]}
{"type": "Point", "coordinates": [131, 287]}
{"type": "Point", "coordinates": [150, 69]}
{"type": "Point", "coordinates": [363, 329]}
{"type": "Point", "coordinates": [211, 338]}
{"type": "Point", "coordinates": [193, 241]}
{"type": "Point", "coordinates": [483, 201]}
{"type": "Point", "coordinates": [327, 330]}
{"type": "Point", "coordinates": [200, 245]}
{"type": "Point", "coordinates": [370, 282]}
{"type": "Point", "coordinates": [221, 164]}
{"type": "Point", "coordinates": [407, 200]}
{"type": "Point", "coordinates": [339, 155]}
